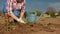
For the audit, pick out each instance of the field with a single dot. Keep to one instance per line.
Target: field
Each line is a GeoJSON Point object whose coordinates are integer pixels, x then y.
{"type": "Point", "coordinates": [43, 26]}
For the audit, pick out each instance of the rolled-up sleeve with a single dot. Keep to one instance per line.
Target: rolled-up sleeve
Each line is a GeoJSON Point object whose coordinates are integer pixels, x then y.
{"type": "Point", "coordinates": [9, 6]}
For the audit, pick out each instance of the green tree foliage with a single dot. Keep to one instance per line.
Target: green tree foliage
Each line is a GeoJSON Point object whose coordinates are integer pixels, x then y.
{"type": "Point", "coordinates": [38, 12]}
{"type": "Point", "coordinates": [51, 11]}
{"type": "Point", "coordinates": [53, 14]}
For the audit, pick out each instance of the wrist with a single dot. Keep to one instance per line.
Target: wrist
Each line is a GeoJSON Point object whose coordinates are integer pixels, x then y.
{"type": "Point", "coordinates": [20, 18]}
{"type": "Point", "coordinates": [17, 19]}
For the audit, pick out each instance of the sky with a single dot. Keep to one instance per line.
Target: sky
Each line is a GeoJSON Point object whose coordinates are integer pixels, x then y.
{"type": "Point", "coordinates": [32, 5]}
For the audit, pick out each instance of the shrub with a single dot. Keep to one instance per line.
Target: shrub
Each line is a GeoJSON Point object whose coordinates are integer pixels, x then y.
{"type": "Point", "coordinates": [52, 14]}
{"type": "Point", "coordinates": [51, 11]}
{"type": "Point", "coordinates": [38, 12]}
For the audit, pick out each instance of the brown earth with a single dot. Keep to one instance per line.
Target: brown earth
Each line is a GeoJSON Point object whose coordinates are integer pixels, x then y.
{"type": "Point", "coordinates": [45, 26]}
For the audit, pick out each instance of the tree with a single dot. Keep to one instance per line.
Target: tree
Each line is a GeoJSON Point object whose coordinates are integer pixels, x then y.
{"type": "Point", "coordinates": [51, 11]}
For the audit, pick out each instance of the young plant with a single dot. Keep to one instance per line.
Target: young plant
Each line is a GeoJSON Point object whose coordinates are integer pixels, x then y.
{"type": "Point", "coordinates": [6, 26]}
{"type": "Point", "coordinates": [12, 23]}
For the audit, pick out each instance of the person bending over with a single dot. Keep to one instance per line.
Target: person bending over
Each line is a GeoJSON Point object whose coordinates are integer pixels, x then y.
{"type": "Point", "coordinates": [15, 9]}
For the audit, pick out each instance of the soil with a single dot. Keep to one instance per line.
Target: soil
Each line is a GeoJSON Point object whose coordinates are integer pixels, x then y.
{"type": "Point", "coordinates": [41, 27]}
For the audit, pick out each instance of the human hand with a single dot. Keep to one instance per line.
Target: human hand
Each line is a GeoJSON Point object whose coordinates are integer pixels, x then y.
{"type": "Point", "coordinates": [21, 21]}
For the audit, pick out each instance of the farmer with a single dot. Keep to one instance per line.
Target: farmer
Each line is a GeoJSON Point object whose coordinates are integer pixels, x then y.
{"type": "Point", "coordinates": [15, 9]}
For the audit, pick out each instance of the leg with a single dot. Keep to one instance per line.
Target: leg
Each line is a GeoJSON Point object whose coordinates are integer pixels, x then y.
{"type": "Point", "coordinates": [6, 17]}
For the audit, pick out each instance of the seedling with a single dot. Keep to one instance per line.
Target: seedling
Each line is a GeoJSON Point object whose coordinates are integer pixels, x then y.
{"type": "Point", "coordinates": [12, 23]}
{"type": "Point", "coordinates": [6, 26]}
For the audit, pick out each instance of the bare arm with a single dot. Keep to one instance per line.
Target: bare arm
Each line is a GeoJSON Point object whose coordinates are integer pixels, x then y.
{"type": "Point", "coordinates": [22, 9]}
